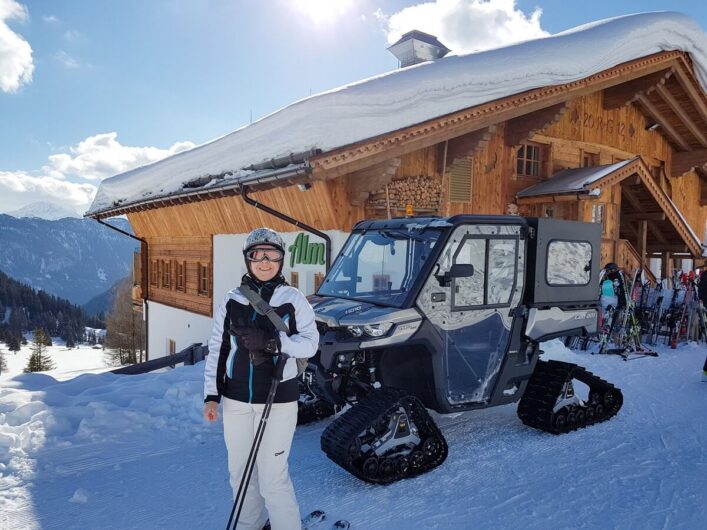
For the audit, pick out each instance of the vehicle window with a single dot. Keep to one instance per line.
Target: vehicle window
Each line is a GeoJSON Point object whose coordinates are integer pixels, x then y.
{"type": "Point", "coordinates": [470, 291]}
{"type": "Point", "coordinates": [568, 263]}
{"type": "Point", "coordinates": [501, 270]}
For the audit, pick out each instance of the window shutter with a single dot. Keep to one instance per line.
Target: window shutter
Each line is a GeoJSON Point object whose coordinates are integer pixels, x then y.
{"type": "Point", "coordinates": [460, 180]}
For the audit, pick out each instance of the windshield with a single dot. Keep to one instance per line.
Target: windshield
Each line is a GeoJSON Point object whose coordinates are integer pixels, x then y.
{"type": "Point", "coordinates": [380, 266]}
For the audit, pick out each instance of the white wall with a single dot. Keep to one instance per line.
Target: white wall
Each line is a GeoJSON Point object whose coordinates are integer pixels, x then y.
{"type": "Point", "coordinates": [229, 266]}
{"type": "Point", "coordinates": [184, 327]}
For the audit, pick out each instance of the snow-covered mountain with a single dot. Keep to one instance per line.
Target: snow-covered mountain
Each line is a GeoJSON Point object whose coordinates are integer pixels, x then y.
{"type": "Point", "coordinates": [75, 259]}
{"type": "Point", "coordinates": [44, 210]}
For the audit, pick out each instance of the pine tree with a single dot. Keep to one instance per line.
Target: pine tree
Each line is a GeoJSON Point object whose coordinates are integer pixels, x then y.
{"type": "Point", "coordinates": [13, 344]}
{"type": "Point", "coordinates": [3, 364]}
{"type": "Point", "coordinates": [70, 342]}
{"type": "Point", "coordinates": [39, 361]}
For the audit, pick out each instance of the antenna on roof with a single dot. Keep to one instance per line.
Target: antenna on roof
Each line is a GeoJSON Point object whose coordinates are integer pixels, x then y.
{"type": "Point", "coordinates": [417, 47]}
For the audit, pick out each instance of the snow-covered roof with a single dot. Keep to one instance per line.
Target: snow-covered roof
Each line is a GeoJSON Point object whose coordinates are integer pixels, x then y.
{"type": "Point", "coordinates": [572, 180]}
{"type": "Point", "coordinates": [412, 95]}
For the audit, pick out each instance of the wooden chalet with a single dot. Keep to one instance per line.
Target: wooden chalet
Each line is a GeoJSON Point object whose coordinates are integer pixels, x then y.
{"type": "Point", "coordinates": [625, 147]}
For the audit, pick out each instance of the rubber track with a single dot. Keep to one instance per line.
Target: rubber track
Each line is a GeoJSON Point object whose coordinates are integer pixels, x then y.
{"type": "Point", "coordinates": [344, 431]}
{"type": "Point", "coordinates": [535, 408]}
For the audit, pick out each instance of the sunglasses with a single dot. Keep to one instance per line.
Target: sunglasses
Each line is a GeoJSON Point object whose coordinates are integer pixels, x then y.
{"type": "Point", "coordinates": [262, 254]}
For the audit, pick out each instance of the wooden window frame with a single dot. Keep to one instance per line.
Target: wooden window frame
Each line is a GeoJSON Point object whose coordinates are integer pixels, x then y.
{"type": "Point", "coordinates": [294, 279]}
{"type": "Point", "coordinates": [380, 280]}
{"type": "Point", "coordinates": [593, 157]}
{"type": "Point", "coordinates": [542, 151]}
{"type": "Point", "coordinates": [166, 274]}
{"type": "Point", "coordinates": [180, 280]}
{"type": "Point", "coordinates": [154, 273]}
{"type": "Point", "coordinates": [204, 279]}
{"type": "Point", "coordinates": [602, 206]}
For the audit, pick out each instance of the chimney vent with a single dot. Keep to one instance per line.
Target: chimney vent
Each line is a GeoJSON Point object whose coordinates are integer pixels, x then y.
{"type": "Point", "coordinates": [417, 47]}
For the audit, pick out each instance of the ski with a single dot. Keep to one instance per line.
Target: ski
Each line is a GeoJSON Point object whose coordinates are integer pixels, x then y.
{"type": "Point", "coordinates": [309, 521]}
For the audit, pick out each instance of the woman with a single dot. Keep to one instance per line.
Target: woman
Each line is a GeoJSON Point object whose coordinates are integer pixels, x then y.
{"type": "Point", "coordinates": [239, 370]}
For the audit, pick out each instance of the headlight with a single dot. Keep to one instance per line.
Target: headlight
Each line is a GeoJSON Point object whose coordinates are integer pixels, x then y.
{"type": "Point", "coordinates": [356, 331]}
{"type": "Point", "coordinates": [370, 330]}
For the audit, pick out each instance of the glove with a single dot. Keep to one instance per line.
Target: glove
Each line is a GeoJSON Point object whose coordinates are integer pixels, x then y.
{"type": "Point", "coordinates": [256, 339]}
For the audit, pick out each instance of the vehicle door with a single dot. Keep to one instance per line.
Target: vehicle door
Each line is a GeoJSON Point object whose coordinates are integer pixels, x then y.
{"type": "Point", "coordinates": [470, 307]}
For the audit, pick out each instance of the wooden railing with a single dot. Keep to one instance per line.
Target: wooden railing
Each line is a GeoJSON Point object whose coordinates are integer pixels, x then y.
{"type": "Point", "coordinates": [190, 355]}
{"type": "Point", "coordinates": [629, 260]}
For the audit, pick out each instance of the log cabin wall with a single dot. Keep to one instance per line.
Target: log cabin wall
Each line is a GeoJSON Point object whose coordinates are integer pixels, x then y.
{"type": "Point", "coordinates": [166, 254]}
{"type": "Point", "coordinates": [687, 196]}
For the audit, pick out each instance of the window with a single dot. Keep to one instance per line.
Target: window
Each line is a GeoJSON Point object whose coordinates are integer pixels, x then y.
{"type": "Point", "coordinates": [203, 269]}
{"type": "Point", "coordinates": [460, 180]}
{"type": "Point", "coordinates": [590, 159]}
{"type": "Point", "coordinates": [381, 282]}
{"type": "Point", "coordinates": [166, 271]}
{"type": "Point", "coordinates": [494, 277]}
{"type": "Point", "coordinates": [599, 215]}
{"type": "Point", "coordinates": [294, 279]}
{"type": "Point", "coordinates": [180, 268]}
{"type": "Point", "coordinates": [318, 280]}
{"type": "Point", "coordinates": [154, 272]}
{"type": "Point", "coordinates": [529, 162]}
{"type": "Point", "coordinates": [568, 263]}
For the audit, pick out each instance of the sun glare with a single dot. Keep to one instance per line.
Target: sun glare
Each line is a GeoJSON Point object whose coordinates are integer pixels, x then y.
{"type": "Point", "coordinates": [323, 11]}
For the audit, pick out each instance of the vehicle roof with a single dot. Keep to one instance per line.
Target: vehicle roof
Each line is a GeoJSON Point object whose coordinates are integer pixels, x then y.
{"type": "Point", "coordinates": [438, 222]}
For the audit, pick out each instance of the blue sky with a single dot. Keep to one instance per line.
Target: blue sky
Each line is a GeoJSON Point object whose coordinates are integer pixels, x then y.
{"type": "Point", "coordinates": [115, 84]}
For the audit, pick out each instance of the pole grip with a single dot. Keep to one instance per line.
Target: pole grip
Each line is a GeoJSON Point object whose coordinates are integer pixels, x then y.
{"type": "Point", "coordinates": [280, 362]}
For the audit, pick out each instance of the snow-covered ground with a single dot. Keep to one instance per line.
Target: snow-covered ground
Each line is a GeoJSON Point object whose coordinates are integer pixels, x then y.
{"type": "Point", "coordinates": [132, 452]}
{"type": "Point", "coordinates": [68, 362]}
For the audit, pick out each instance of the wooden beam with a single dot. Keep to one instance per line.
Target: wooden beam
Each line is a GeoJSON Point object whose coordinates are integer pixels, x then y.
{"type": "Point", "coordinates": [666, 267]}
{"type": "Point", "coordinates": [363, 183]}
{"type": "Point", "coordinates": [680, 113]}
{"type": "Point", "coordinates": [621, 95]}
{"type": "Point", "coordinates": [672, 134]}
{"type": "Point", "coordinates": [468, 144]}
{"type": "Point", "coordinates": [628, 194]}
{"type": "Point", "coordinates": [658, 216]}
{"type": "Point", "coordinates": [669, 248]}
{"type": "Point", "coordinates": [684, 162]}
{"type": "Point", "coordinates": [642, 240]}
{"type": "Point", "coordinates": [657, 233]}
{"type": "Point", "coordinates": [694, 92]}
{"type": "Point", "coordinates": [523, 127]}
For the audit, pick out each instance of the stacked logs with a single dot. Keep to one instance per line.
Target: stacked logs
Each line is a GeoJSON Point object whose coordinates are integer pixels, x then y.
{"type": "Point", "coordinates": [422, 191]}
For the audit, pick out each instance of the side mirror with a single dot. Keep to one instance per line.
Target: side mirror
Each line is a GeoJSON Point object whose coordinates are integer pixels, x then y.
{"type": "Point", "coordinates": [461, 270]}
{"type": "Point", "coordinates": [458, 270]}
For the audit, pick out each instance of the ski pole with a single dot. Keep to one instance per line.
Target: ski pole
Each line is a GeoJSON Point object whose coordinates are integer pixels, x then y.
{"type": "Point", "coordinates": [250, 463]}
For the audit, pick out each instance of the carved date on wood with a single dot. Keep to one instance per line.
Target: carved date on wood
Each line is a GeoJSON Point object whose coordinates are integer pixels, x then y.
{"type": "Point", "coordinates": [602, 124]}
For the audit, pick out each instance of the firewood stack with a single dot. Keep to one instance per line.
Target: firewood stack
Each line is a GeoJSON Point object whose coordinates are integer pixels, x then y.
{"type": "Point", "coordinates": [422, 191]}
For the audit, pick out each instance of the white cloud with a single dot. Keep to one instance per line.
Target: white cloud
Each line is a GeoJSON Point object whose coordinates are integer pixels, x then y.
{"type": "Point", "coordinates": [17, 189]}
{"type": "Point", "coordinates": [16, 64]}
{"type": "Point", "coordinates": [66, 60]}
{"type": "Point", "coordinates": [73, 35]}
{"type": "Point", "coordinates": [102, 155]}
{"type": "Point", "coordinates": [50, 19]}
{"type": "Point", "coordinates": [465, 25]}
{"type": "Point", "coordinates": [70, 178]}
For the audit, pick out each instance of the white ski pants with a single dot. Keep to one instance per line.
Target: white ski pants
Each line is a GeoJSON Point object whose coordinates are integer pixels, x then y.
{"type": "Point", "coordinates": [270, 485]}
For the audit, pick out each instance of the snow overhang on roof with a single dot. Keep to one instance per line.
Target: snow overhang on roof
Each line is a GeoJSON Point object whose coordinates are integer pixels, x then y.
{"type": "Point", "coordinates": [410, 96]}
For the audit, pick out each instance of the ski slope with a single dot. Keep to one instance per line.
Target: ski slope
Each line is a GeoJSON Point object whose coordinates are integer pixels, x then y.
{"type": "Point", "coordinates": [132, 452]}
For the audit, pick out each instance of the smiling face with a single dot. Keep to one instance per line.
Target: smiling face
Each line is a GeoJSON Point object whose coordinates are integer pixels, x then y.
{"type": "Point", "coordinates": [264, 270]}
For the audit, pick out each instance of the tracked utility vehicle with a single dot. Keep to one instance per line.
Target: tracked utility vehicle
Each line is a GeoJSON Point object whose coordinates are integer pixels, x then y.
{"type": "Point", "coordinates": [448, 314]}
